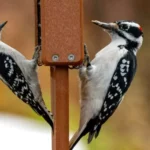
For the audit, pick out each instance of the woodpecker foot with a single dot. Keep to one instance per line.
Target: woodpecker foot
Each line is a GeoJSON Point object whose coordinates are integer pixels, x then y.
{"type": "Point", "coordinates": [86, 60]}
{"type": "Point", "coordinates": [37, 51]}
{"type": "Point", "coordinates": [36, 55]}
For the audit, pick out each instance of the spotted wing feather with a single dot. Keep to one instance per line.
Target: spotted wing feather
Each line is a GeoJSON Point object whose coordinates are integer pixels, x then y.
{"type": "Point", "coordinates": [119, 84]}
{"type": "Point", "coordinates": [13, 77]}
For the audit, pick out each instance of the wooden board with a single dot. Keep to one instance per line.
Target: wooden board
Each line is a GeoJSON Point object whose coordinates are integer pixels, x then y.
{"type": "Point", "coordinates": [62, 41]}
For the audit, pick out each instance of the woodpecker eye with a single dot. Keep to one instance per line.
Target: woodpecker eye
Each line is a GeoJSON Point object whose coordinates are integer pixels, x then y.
{"type": "Point", "coordinates": [124, 27]}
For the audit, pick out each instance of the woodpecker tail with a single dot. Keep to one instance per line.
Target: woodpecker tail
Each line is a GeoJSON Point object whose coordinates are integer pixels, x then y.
{"type": "Point", "coordinates": [94, 132]}
{"type": "Point", "coordinates": [47, 115]}
{"type": "Point", "coordinates": [76, 138]}
{"type": "Point", "coordinates": [87, 128]}
{"type": "Point", "coordinates": [41, 109]}
{"type": "Point", "coordinates": [36, 57]}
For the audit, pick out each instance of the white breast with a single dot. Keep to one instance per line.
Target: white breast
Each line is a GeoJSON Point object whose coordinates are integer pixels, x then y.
{"type": "Point", "coordinates": [6, 49]}
{"type": "Point", "coordinates": [95, 85]}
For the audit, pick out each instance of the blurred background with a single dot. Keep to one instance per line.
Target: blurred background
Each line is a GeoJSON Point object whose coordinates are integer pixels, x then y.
{"type": "Point", "coordinates": [129, 127]}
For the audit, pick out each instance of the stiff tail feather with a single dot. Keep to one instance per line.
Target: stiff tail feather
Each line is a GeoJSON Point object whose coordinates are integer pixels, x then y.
{"type": "Point", "coordinates": [93, 133]}
{"type": "Point", "coordinates": [47, 116]}
{"type": "Point", "coordinates": [76, 138]}
{"type": "Point", "coordinates": [43, 111]}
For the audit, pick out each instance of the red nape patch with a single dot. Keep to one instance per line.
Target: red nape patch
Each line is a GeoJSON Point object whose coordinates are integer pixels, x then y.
{"type": "Point", "coordinates": [140, 28]}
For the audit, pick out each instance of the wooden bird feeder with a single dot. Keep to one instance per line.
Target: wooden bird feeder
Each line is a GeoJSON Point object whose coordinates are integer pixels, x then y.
{"type": "Point", "coordinates": [60, 28]}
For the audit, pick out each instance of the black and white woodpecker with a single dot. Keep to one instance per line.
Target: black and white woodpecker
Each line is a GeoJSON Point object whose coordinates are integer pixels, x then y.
{"type": "Point", "coordinates": [106, 79]}
{"type": "Point", "coordinates": [20, 75]}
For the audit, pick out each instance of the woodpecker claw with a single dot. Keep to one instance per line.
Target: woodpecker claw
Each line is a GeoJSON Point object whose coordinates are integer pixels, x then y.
{"type": "Point", "coordinates": [86, 57]}
{"type": "Point", "coordinates": [36, 55]}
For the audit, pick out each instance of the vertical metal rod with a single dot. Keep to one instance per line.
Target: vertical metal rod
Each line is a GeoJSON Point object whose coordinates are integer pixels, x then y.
{"type": "Point", "coordinates": [60, 107]}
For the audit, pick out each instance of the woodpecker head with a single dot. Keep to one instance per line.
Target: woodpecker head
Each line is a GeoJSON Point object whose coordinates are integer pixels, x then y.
{"type": "Point", "coordinates": [128, 33]}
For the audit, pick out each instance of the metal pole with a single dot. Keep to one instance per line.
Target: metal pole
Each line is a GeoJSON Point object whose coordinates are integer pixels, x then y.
{"type": "Point", "coordinates": [60, 107]}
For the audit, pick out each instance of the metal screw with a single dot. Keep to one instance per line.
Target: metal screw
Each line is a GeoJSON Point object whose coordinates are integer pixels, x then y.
{"type": "Point", "coordinates": [55, 57]}
{"type": "Point", "coordinates": [71, 57]}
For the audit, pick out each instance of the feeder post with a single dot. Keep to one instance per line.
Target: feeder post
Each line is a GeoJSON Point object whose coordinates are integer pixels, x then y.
{"type": "Point", "coordinates": [62, 45]}
{"type": "Point", "coordinates": [60, 107]}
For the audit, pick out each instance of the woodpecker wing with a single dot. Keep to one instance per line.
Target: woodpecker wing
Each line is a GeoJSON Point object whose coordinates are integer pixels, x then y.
{"type": "Point", "coordinates": [12, 76]}
{"type": "Point", "coordinates": [119, 84]}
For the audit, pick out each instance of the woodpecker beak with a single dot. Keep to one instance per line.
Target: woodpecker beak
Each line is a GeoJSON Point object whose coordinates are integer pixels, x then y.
{"type": "Point", "coordinates": [2, 25]}
{"type": "Point", "coordinates": [107, 26]}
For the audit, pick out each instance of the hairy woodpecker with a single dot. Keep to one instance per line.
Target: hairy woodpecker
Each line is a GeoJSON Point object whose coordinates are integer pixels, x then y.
{"type": "Point", "coordinates": [105, 79]}
{"type": "Point", "coordinates": [20, 75]}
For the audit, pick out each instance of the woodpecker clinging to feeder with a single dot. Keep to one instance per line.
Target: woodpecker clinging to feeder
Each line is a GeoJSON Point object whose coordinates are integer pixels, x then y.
{"type": "Point", "coordinates": [106, 79]}
{"type": "Point", "coordinates": [20, 75]}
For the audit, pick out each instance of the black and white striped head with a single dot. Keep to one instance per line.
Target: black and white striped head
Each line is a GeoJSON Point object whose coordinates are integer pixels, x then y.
{"type": "Point", "coordinates": [1, 27]}
{"type": "Point", "coordinates": [128, 32]}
